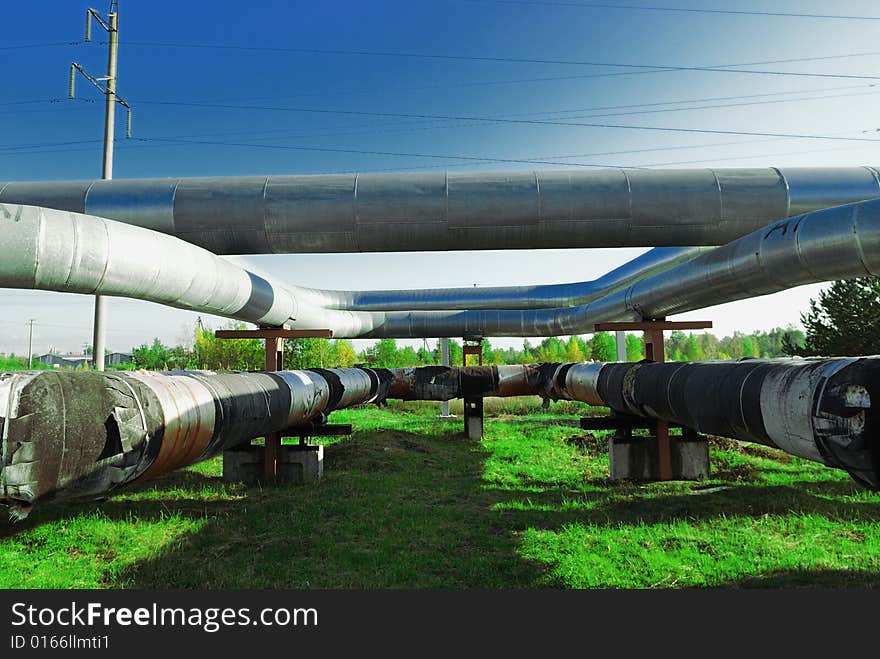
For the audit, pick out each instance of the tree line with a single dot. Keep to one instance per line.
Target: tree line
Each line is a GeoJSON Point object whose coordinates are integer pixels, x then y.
{"type": "Point", "coordinates": [208, 352]}
{"type": "Point", "coordinates": [844, 320]}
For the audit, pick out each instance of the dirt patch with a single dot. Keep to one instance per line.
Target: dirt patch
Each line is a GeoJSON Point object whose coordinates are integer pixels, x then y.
{"type": "Point", "coordinates": [374, 451]}
{"type": "Point", "coordinates": [587, 444]}
{"type": "Point", "coordinates": [747, 448]}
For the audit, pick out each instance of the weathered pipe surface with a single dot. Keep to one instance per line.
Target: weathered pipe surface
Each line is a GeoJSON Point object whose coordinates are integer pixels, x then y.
{"type": "Point", "coordinates": [825, 410]}
{"type": "Point", "coordinates": [68, 434]}
{"type": "Point", "coordinates": [452, 211]}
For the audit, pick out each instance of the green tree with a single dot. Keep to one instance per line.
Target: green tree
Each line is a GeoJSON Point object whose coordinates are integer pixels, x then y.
{"type": "Point", "coordinates": [573, 351]}
{"type": "Point", "coordinates": [425, 356]}
{"type": "Point", "coordinates": [344, 354]}
{"type": "Point", "coordinates": [215, 354]}
{"type": "Point", "coordinates": [749, 349]}
{"type": "Point", "coordinates": [635, 348]}
{"type": "Point", "coordinates": [603, 347]}
{"type": "Point", "coordinates": [844, 321]}
{"type": "Point", "coordinates": [692, 350]}
{"type": "Point", "coordinates": [382, 354]}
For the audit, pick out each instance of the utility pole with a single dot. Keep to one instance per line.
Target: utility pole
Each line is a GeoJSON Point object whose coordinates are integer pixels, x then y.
{"type": "Point", "coordinates": [111, 25]}
{"type": "Point", "coordinates": [30, 342]}
{"type": "Point", "coordinates": [620, 342]}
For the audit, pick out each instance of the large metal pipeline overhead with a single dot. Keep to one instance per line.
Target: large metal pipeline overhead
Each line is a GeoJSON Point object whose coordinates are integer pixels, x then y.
{"type": "Point", "coordinates": [458, 211]}
{"type": "Point", "coordinates": [54, 250]}
{"type": "Point", "coordinates": [73, 433]}
{"type": "Point", "coordinates": [835, 243]}
{"type": "Point", "coordinates": [71, 252]}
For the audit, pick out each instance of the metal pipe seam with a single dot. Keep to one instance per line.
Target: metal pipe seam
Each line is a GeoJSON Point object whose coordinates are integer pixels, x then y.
{"type": "Point", "coordinates": [451, 211]}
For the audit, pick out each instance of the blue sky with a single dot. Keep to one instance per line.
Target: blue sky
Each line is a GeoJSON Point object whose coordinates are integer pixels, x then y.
{"type": "Point", "coordinates": [419, 58]}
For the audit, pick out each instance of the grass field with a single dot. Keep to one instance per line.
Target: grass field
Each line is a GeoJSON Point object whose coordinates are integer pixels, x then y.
{"type": "Point", "coordinates": [406, 502]}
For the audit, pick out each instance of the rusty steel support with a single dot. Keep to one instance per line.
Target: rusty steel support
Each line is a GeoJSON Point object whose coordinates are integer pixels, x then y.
{"type": "Point", "coordinates": [274, 361]}
{"type": "Point", "coordinates": [655, 351]}
{"type": "Point", "coordinates": [473, 406]}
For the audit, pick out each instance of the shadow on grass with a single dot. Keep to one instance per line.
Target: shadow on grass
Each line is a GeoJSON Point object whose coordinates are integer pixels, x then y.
{"type": "Point", "coordinates": [809, 579]}
{"type": "Point", "coordinates": [397, 509]}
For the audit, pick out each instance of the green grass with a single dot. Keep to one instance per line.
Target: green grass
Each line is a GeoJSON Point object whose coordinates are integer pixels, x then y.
{"type": "Point", "coordinates": [406, 502]}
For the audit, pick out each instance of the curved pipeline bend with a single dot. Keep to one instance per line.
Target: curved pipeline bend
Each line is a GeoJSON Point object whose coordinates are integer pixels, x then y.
{"type": "Point", "coordinates": [834, 243]}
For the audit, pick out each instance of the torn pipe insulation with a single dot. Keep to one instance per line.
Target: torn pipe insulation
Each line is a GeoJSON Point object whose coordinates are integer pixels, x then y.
{"type": "Point", "coordinates": [825, 410]}
{"type": "Point", "coordinates": [69, 434]}
{"type": "Point", "coordinates": [835, 243]}
{"type": "Point", "coordinates": [404, 212]}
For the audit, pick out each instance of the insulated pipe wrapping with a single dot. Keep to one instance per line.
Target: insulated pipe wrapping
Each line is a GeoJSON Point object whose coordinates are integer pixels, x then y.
{"type": "Point", "coordinates": [69, 434]}
{"type": "Point", "coordinates": [507, 297]}
{"type": "Point", "coordinates": [60, 251]}
{"type": "Point", "coordinates": [458, 211]}
{"type": "Point", "coordinates": [74, 253]}
{"type": "Point", "coordinates": [825, 410]}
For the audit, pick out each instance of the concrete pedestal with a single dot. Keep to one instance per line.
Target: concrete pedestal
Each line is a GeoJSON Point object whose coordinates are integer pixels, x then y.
{"type": "Point", "coordinates": [636, 458]}
{"type": "Point", "coordinates": [296, 464]}
{"type": "Point", "coordinates": [473, 418]}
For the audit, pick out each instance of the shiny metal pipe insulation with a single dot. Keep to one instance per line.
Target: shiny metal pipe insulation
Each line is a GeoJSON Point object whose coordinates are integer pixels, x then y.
{"type": "Point", "coordinates": [541, 296]}
{"type": "Point", "coordinates": [60, 251]}
{"type": "Point", "coordinates": [458, 211]}
{"type": "Point", "coordinates": [834, 243]}
{"type": "Point", "coordinates": [825, 410]}
{"type": "Point", "coordinates": [71, 433]}
{"type": "Point", "coordinates": [70, 252]}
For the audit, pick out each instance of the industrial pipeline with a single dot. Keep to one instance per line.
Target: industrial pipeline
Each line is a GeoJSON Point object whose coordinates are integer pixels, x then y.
{"type": "Point", "coordinates": [70, 434]}
{"type": "Point", "coordinates": [70, 252]}
{"type": "Point", "coordinates": [458, 211]}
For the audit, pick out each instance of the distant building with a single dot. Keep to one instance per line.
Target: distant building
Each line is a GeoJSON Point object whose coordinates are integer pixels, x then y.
{"type": "Point", "coordinates": [69, 361]}
{"type": "Point", "coordinates": [118, 358]}
{"type": "Point", "coordinates": [76, 360]}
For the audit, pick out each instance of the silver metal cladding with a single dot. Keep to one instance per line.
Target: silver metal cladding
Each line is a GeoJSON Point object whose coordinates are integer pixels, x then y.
{"type": "Point", "coordinates": [582, 383]}
{"type": "Point", "coordinates": [431, 212]}
{"type": "Point", "coordinates": [811, 189]}
{"type": "Point", "coordinates": [75, 253]}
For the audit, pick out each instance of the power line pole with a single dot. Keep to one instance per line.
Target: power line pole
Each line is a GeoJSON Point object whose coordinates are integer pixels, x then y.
{"type": "Point", "coordinates": [30, 342]}
{"type": "Point", "coordinates": [111, 25]}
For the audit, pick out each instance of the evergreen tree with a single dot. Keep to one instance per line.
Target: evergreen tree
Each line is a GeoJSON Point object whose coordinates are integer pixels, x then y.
{"type": "Point", "coordinates": [844, 321]}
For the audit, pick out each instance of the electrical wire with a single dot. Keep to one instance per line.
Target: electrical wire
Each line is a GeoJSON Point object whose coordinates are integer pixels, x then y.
{"type": "Point", "coordinates": [531, 122]}
{"type": "Point", "coordinates": [513, 60]}
{"type": "Point", "coordinates": [692, 10]}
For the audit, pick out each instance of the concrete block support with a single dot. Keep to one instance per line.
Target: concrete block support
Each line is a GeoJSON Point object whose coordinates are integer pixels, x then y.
{"type": "Point", "coordinates": [473, 418]}
{"type": "Point", "coordinates": [637, 458]}
{"type": "Point", "coordinates": [295, 464]}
